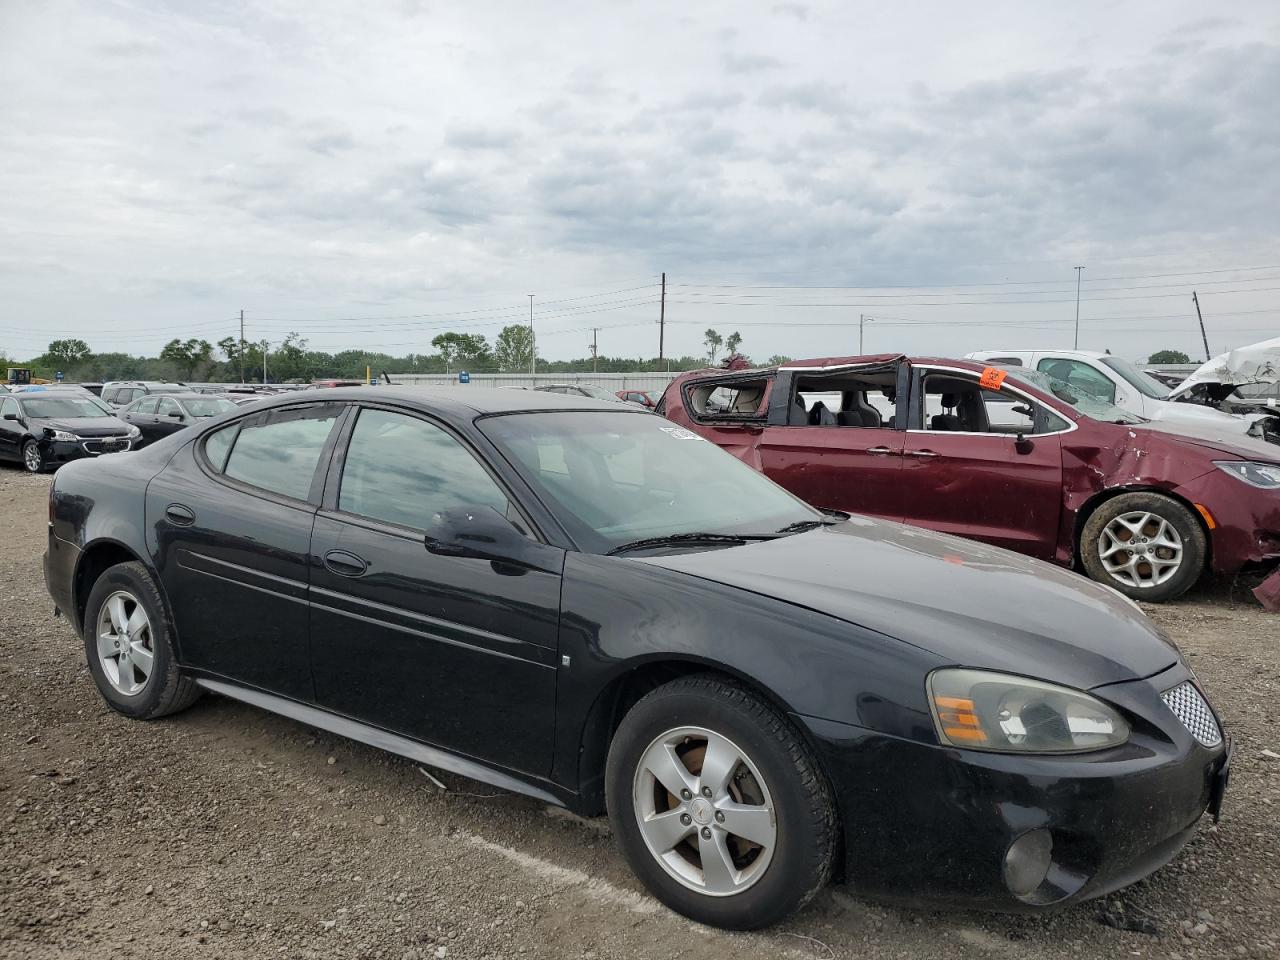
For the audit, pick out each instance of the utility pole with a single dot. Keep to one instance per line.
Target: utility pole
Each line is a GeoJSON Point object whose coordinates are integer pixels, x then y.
{"type": "Point", "coordinates": [594, 352]}
{"type": "Point", "coordinates": [1196, 301]}
{"type": "Point", "coordinates": [1078, 271]}
{"type": "Point", "coordinates": [264, 362]}
{"type": "Point", "coordinates": [533, 344]}
{"type": "Point", "coordinates": [662, 315]}
{"type": "Point", "coordinates": [242, 346]}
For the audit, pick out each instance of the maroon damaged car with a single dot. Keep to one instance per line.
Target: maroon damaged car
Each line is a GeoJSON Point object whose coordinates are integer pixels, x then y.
{"type": "Point", "coordinates": [1010, 457]}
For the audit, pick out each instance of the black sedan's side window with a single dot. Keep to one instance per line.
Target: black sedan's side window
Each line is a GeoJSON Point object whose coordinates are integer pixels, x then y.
{"type": "Point", "coordinates": [278, 450]}
{"type": "Point", "coordinates": [403, 470]}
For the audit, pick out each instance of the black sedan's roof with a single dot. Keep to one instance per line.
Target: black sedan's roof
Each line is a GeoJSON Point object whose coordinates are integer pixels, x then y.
{"type": "Point", "coordinates": [478, 400]}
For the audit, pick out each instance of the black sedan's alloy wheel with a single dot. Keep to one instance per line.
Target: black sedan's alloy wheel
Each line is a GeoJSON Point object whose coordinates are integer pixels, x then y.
{"type": "Point", "coordinates": [127, 645]}
{"type": "Point", "coordinates": [32, 458]}
{"type": "Point", "coordinates": [718, 804]}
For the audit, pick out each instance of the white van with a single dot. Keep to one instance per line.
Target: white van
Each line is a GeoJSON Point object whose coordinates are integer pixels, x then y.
{"type": "Point", "coordinates": [1114, 380]}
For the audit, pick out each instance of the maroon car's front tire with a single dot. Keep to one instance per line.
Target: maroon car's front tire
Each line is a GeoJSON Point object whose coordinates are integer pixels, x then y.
{"type": "Point", "coordinates": [1146, 545]}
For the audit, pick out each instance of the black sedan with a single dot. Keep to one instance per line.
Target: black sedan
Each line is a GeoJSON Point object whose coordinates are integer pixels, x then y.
{"type": "Point", "coordinates": [581, 602]}
{"type": "Point", "coordinates": [159, 415]}
{"type": "Point", "coordinates": [43, 429]}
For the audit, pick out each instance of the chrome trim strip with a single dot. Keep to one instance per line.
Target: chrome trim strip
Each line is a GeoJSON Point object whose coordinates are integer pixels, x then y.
{"type": "Point", "coordinates": [377, 737]}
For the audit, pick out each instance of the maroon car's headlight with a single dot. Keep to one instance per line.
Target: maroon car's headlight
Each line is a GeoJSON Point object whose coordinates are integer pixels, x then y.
{"type": "Point", "coordinates": [982, 710]}
{"type": "Point", "coordinates": [1264, 475]}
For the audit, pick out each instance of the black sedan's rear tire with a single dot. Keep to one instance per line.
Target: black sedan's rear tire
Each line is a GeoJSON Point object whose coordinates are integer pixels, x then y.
{"type": "Point", "coordinates": [128, 645]}
{"type": "Point", "coordinates": [1146, 545]}
{"type": "Point", "coordinates": [33, 457]}
{"type": "Point", "coordinates": [719, 805]}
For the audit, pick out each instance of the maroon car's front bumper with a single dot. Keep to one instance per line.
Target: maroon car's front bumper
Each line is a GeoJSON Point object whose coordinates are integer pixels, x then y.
{"type": "Point", "coordinates": [1245, 526]}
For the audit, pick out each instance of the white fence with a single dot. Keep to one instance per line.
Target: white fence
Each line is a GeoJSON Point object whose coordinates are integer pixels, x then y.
{"type": "Point", "coordinates": [655, 383]}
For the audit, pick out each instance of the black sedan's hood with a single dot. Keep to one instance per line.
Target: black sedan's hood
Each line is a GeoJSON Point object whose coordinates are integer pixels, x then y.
{"type": "Point", "coordinates": [970, 604]}
{"type": "Point", "coordinates": [86, 426]}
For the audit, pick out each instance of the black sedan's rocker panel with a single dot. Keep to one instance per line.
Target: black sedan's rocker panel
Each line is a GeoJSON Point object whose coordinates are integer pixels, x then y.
{"type": "Point", "coordinates": [382, 739]}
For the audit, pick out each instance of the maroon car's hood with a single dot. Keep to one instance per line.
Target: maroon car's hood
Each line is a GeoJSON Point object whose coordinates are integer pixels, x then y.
{"type": "Point", "coordinates": [1232, 443]}
{"type": "Point", "coordinates": [967, 602]}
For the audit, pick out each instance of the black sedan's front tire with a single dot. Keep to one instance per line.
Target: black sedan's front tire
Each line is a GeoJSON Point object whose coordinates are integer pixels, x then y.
{"type": "Point", "coordinates": [719, 805]}
{"type": "Point", "coordinates": [127, 642]}
{"type": "Point", "coordinates": [33, 457]}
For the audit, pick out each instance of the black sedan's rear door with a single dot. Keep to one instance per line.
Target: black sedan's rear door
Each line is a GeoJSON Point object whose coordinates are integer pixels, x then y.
{"type": "Point", "coordinates": [229, 523]}
{"type": "Point", "coordinates": [455, 651]}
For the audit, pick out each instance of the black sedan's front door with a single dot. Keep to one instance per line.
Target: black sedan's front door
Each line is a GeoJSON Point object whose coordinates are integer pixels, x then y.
{"type": "Point", "coordinates": [454, 651]}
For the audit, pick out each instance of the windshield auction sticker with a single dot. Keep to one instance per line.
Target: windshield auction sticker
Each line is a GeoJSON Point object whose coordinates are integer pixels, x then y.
{"type": "Point", "coordinates": [680, 433]}
{"type": "Point", "coordinates": [992, 379]}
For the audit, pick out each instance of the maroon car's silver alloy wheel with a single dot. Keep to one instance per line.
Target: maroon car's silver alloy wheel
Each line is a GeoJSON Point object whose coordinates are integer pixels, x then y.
{"type": "Point", "coordinates": [1140, 549]}
{"type": "Point", "coordinates": [704, 811]}
{"type": "Point", "coordinates": [124, 643]}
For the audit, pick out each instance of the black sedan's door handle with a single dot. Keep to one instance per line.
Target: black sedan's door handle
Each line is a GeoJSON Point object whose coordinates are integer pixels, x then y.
{"type": "Point", "coordinates": [345, 564]}
{"type": "Point", "coordinates": [177, 513]}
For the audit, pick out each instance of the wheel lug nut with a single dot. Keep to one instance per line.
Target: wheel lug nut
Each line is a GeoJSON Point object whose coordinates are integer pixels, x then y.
{"type": "Point", "coordinates": [719, 816]}
{"type": "Point", "coordinates": [706, 792]}
{"type": "Point", "coordinates": [706, 833]}
{"type": "Point", "coordinates": [686, 794]}
{"type": "Point", "coordinates": [686, 819]}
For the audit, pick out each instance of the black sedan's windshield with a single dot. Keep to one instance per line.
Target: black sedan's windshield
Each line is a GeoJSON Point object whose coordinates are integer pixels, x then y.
{"type": "Point", "coordinates": [56, 408]}
{"type": "Point", "coordinates": [614, 478]}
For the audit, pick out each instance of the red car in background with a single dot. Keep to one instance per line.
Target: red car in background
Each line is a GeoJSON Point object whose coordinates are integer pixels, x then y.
{"type": "Point", "coordinates": [1010, 457]}
{"type": "Point", "coordinates": [642, 397]}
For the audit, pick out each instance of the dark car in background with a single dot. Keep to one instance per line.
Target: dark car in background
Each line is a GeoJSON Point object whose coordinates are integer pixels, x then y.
{"type": "Point", "coordinates": [588, 604]}
{"type": "Point", "coordinates": [1008, 456]}
{"type": "Point", "coordinates": [159, 415]}
{"type": "Point", "coordinates": [45, 429]}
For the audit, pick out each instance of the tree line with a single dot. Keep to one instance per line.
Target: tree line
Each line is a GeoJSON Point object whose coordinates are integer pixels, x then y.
{"type": "Point", "coordinates": [293, 360]}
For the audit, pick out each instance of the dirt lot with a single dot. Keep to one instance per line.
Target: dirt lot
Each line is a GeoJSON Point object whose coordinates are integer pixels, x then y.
{"type": "Point", "coordinates": [225, 831]}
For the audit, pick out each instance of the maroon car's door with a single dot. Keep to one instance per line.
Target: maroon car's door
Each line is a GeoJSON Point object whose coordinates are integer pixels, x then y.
{"type": "Point", "coordinates": [986, 486]}
{"type": "Point", "coordinates": [844, 468]}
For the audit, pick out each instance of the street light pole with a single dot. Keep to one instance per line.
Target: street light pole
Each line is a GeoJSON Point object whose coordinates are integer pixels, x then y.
{"type": "Point", "coordinates": [533, 344]}
{"type": "Point", "coordinates": [1078, 271]}
{"type": "Point", "coordinates": [264, 362]}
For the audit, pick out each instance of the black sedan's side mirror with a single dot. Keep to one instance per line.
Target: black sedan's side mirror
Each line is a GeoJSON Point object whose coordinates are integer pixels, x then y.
{"type": "Point", "coordinates": [177, 415]}
{"type": "Point", "coordinates": [11, 416]}
{"type": "Point", "coordinates": [480, 532]}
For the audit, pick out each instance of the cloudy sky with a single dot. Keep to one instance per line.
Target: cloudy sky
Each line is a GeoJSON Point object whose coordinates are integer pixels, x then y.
{"type": "Point", "coordinates": [373, 174]}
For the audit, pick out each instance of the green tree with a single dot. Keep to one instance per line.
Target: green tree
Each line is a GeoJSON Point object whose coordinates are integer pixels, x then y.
{"type": "Point", "coordinates": [712, 340]}
{"type": "Point", "coordinates": [465, 349]}
{"type": "Point", "coordinates": [777, 360]}
{"type": "Point", "coordinates": [189, 356]}
{"type": "Point", "coordinates": [67, 353]}
{"type": "Point", "coordinates": [1168, 356]}
{"type": "Point", "coordinates": [513, 348]}
{"type": "Point", "coordinates": [731, 342]}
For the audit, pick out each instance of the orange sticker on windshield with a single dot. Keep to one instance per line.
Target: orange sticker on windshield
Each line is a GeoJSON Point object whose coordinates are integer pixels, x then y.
{"type": "Point", "coordinates": [992, 378]}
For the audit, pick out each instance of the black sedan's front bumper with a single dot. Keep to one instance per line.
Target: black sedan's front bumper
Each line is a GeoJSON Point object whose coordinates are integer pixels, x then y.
{"type": "Point", "coordinates": [63, 451]}
{"type": "Point", "coordinates": [926, 823]}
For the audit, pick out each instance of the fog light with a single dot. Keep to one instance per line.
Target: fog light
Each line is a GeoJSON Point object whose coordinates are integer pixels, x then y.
{"type": "Point", "coordinates": [1026, 863]}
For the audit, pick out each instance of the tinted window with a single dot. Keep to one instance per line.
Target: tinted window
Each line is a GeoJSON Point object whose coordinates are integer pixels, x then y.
{"type": "Point", "coordinates": [110, 394]}
{"type": "Point", "coordinates": [166, 406]}
{"type": "Point", "coordinates": [279, 451]}
{"type": "Point", "coordinates": [404, 470]}
{"type": "Point", "coordinates": [208, 406]}
{"type": "Point", "coordinates": [218, 443]}
{"type": "Point", "coordinates": [8, 406]}
{"type": "Point", "coordinates": [145, 405]}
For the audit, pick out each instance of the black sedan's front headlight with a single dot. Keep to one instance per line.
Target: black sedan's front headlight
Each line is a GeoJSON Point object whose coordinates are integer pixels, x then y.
{"type": "Point", "coordinates": [983, 710]}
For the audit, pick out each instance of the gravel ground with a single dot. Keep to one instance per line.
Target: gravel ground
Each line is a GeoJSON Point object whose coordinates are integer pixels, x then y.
{"type": "Point", "coordinates": [226, 831]}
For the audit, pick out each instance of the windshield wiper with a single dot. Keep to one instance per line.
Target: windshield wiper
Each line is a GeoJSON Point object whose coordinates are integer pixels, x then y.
{"type": "Point", "coordinates": [678, 538]}
{"type": "Point", "coordinates": [800, 526]}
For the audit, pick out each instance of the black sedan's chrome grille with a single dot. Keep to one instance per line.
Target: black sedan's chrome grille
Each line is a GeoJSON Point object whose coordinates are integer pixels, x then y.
{"type": "Point", "coordinates": [1190, 707]}
{"type": "Point", "coordinates": [105, 444]}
